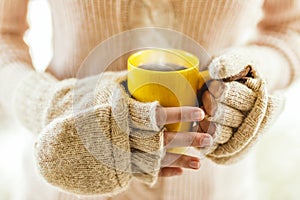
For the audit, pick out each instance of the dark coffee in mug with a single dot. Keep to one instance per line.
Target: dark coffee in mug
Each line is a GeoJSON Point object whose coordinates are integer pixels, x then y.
{"type": "Point", "coordinates": [162, 67]}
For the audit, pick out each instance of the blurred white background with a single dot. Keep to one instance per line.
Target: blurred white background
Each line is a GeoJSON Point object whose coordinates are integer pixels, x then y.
{"type": "Point", "coordinates": [278, 152]}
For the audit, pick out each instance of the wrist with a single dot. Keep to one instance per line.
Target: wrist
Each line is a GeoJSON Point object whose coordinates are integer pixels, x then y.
{"type": "Point", "coordinates": [31, 98]}
{"type": "Point", "coordinates": [10, 78]}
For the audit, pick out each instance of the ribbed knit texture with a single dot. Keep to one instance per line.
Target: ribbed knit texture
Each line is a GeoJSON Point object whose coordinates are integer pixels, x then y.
{"type": "Point", "coordinates": [244, 109]}
{"type": "Point", "coordinates": [216, 24]}
{"type": "Point", "coordinates": [89, 140]}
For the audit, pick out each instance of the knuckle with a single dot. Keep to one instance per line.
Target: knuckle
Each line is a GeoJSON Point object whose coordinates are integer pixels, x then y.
{"type": "Point", "coordinates": [167, 138]}
{"type": "Point", "coordinates": [179, 115]}
{"type": "Point", "coordinates": [161, 115]}
{"type": "Point", "coordinates": [204, 125]}
{"type": "Point", "coordinates": [205, 96]}
{"type": "Point", "coordinates": [216, 88]}
{"type": "Point", "coordinates": [184, 160]}
{"type": "Point", "coordinates": [209, 103]}
{"type": "Point", "coordinates": [187, 140]}
{"type": "Point", "coordinates": [198, 139]}
{"type": "Point", "coordinates": [179, 162]}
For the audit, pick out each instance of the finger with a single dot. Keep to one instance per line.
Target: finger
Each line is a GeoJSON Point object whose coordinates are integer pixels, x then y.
{"type": "Point", "coordinates": [195, 139]}
{"type": "Point", "coordinates": [216, 88]}
{"type": "Point", "coordinates": [227, 116]}
{"type": "Point", "coordinates": [207, 127]}
{"type": "Point", "coordinates": [237, 95]}
{"type": "Point", "coordinates": [170, 171]}
{"type": "Point", "coordinates": [171, 115]}
{"type": "Point", "coordinates": [209, 150]}
{"type": "Point", "coordinates": [209, 103]}
{"type": "Point", "coordinates": [184, 161]}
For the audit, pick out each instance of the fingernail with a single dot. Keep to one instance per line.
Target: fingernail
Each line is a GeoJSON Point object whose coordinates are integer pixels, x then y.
{"type": "Point", "coordinates": [195, 164]}
{"type": "Point", "coordinates": [198, 115]}
{"type": "Point", "coordinates": [207, 141]}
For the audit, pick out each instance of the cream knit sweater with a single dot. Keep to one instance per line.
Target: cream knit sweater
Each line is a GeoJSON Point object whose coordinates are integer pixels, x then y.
{"type": "Point", "coordinates": [78, 27]}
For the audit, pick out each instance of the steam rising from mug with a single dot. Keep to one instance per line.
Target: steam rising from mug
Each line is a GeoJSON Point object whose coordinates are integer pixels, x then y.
{"type": "Point", "coordinates": [159, 13]}
{"type": "Point", "coordinates": [111, 49]}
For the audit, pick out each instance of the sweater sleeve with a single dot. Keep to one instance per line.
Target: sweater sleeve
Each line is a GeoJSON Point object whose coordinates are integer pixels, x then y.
{"type": "Point", "coordinates": [274, 49]}
{"type": "Point", "coordinates": [15, 60]}
{"type": "Point", "coordinates": [279, 36]}
{"type": "Point", "coordinates": [86, 131]}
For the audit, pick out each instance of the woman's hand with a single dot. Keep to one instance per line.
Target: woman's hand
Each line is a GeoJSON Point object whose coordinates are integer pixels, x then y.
{"type": "Point", "coordinates": [172, 164]}
{"type": "Point", "coordinates": [214, 90]}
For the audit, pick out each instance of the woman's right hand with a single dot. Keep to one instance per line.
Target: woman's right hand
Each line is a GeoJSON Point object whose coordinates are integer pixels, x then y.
{"type": "Point", "coordinates": [172, 163]}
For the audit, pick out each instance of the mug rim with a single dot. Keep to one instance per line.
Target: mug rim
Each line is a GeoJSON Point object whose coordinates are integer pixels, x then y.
{"type": "Point", "coordinates": [193, 67]}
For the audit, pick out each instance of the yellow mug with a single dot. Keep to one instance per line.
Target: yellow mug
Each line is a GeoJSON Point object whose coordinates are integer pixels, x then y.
{"type": "Point", "coordinates": [169, 76]}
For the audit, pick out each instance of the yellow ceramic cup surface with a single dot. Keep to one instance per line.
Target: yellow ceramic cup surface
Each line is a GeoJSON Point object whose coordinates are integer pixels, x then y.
{"type": "Point", "coordinates": [169, 88]}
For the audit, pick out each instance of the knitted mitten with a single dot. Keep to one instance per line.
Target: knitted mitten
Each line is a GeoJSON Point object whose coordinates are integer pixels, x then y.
{"type": "Point", "coordinates": [93, 138]}
{"type": "Point", "coordinates": [245, 108]}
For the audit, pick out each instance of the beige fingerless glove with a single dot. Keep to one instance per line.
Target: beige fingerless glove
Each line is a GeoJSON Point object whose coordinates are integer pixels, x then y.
{"type": "Point", "coordinates": [244, 110]}
{"type": "Point", "coordinates": [93, 138]}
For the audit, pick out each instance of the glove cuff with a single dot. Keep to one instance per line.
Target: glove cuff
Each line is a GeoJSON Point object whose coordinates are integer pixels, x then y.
{"type": "Point", "coordinates": [146, 154]}
{"type": "Point", "coordinates": [143, 115]}
{"type": "Point", "coordinates": [233, 64]}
